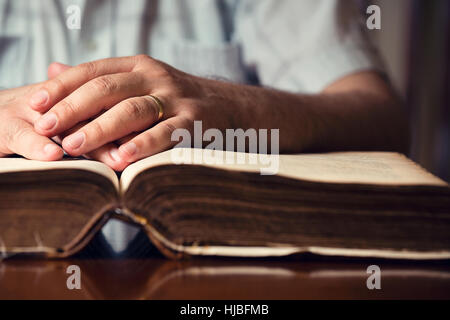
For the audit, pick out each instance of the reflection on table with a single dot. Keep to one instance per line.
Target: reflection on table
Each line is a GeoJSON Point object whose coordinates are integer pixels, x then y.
{"type": "Point", "coordinates": [159, 278]}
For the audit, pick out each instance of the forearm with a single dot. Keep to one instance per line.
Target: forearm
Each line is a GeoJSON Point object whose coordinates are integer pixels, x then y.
{"type": "Point", "coordinates": [356, 112]}
{"type": "Point", "coordinates": [353, 119]}
{"type": "Point", "coordinates": [357, 121]}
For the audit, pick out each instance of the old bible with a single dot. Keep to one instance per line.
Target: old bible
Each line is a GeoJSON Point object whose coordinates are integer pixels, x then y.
{"type": "Point", "coordinates": [358, 204]}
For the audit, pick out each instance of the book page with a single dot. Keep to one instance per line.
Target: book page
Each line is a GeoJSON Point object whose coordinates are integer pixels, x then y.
{"type": "Point", "coordinates": [261, 252]}
{"type": "Point", "coordinates": [277, 250]}
{"type": "Point", "coordinates": [21, 164]}
{"type": "Point", "coordinates": [381, 168]}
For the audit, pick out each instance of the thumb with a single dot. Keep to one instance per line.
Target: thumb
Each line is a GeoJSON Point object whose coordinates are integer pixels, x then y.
{"type": "Point", "coordinates": [55, 68]}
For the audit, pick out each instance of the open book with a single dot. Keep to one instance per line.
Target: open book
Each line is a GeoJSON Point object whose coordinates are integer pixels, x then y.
{"type": "Point", "coordinates": [340, 204]}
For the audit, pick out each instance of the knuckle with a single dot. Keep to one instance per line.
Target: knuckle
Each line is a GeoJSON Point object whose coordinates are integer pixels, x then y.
{"type": "Point", "coordinates": [143, 58]}
{"type": "Point", "coordinates": [153, 108]}
{"type": "Point", "coordinates": [150, 141]}
{"type": "Point", "coordinates": [191, 112]}
{"type": "Point", "coordinates": [186, 123]}
{"type": "Point", "coordinates": [169, 128]}
{"type": "Point", "coordinates": [97, 130]}
{"type": "Point", "coordinates": [67, 109]}
{"type": "Point", "coordinates": [57, 85]}
{"type": "Point", "coordinates": [89, 69]}
{"type": "Point", "coordinates": [159, 69]}
{"type": "Point", "coordinates": [105, 85]}
{"type": "Point", "coordinates": [163, 72]}
{"type": "Point", "coordinates": [133, 108]}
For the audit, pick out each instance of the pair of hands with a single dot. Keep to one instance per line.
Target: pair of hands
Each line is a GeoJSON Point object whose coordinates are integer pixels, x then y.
{"type": "Point", "coordinates": [102, 110]}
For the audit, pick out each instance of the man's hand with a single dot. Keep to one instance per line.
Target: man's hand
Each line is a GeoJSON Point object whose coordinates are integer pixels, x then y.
{"type": "Point", "coordinates": [102, 108]}
{"type": "Point", "coordinates": [106, 101]}
{"type": "Point", "coordinates": [17, 134]}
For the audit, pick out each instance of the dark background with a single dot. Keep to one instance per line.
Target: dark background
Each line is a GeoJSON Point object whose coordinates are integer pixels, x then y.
{"type": "Point", "coordinates": [414, 41]}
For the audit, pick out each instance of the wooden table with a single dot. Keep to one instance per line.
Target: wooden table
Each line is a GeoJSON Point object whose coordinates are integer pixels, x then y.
{"type": "Point", "coordinates": [158, 278]}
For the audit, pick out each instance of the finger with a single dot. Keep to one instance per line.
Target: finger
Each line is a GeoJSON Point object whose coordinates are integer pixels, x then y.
{"type": "Point", "coordinates": [154, 140]}
{"type": "Point", "coordinates": [23, 140]}
{"type": "Point", "coordinates": [124, 140]}
{"type": "Point", "coordinates": [59, 138]}
{"type": "Point", "coordinates": [75, 128]}
{"type": "Point", "coordinates": [131, 115]}
{"type": "Point", "coordinates": [53, 90]}
{"type": "Point", "coordinates": [23, 112]}
{"type": "Point", "coordinates": [89, 100]}
{"type": "Point", "coordinates": [109, 155]}
{"type": "Point", "coordinates": [55, 69]}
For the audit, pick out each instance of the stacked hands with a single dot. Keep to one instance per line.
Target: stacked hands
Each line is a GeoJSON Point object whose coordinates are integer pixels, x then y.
{"type": "Point", "coordinates": [102, 110]}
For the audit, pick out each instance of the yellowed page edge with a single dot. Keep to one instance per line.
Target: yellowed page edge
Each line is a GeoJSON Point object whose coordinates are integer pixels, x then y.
{"type": "Point", "coordinates": [21, 164]}
{"type": "Point", "coordinates": [381, 168]}
{"type": "Point", "coordinates": [281, 251]}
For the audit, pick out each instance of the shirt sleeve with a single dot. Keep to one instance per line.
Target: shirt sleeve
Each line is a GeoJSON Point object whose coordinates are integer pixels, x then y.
{"type": "Point", "coordinates": [303, 46]}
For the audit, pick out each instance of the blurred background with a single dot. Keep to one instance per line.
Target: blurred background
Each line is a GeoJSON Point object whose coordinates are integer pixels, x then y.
{"type": "Point", "coordinates": [414, 41]}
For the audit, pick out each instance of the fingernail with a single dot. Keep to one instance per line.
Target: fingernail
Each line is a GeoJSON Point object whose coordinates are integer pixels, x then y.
{"type": "Point", "coordinates": [115, 155]}
{"type": "Point", "coordinates": [75, 140]}
{"type": "Point", "coordinates": [50, 148]}
{"type": "Point", "coordinates": [47, 122]}
{"type": "Point", "coordinates": [129, 148]}
{"type": "Point", "coordinates": [39, 98]}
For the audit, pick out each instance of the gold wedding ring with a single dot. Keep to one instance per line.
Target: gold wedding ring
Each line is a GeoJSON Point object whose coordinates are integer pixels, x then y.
{"type": "Point", "coordinates": [159, 104]}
